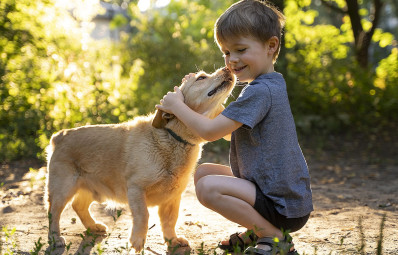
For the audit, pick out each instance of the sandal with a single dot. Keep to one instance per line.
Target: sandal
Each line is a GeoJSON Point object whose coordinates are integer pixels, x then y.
{"type": "Point", "coordinates": [237, 244]}
{"type": "Point", "coordinates": [281, 247]}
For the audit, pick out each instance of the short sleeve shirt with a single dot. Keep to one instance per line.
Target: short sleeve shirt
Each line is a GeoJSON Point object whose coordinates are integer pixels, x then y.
{"type": "Point", "coordinates": [265, 149]}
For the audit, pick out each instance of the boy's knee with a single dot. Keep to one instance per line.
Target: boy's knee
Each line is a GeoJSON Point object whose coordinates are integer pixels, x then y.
{"type": "Point", "coordinates": [205, 190]}
{"type": "Point", "coordinates": [199, 189]}
{"type": "Point", "coordinates": [201, 171]}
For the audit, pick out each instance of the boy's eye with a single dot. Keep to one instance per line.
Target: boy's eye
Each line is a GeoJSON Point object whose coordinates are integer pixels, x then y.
{"type": "Point", "coordinates": [226, 53]}
{"type": "Point", "coordinates": [201, 78]}
{"type": "Point", "coordinates": [242, 50]}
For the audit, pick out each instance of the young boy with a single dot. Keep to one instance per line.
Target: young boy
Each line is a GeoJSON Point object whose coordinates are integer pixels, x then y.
{"type": "Point", "coordinates": [266, 188]}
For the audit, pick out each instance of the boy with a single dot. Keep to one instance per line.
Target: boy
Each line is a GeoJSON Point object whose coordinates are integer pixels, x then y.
{"type": "Point", "coordinates": [267, 186]}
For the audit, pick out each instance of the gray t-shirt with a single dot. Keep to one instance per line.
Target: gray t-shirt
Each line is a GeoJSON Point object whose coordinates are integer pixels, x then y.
{"type": "Point", "coordinates": [265, 150]}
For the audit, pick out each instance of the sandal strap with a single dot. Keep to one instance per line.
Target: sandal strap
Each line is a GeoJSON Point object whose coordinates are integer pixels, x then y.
{"type": "Point", "coordinates": [235, 240]}
{"type": "Point", "coordinates": [249, 234]}
{"type": "Point", "coordinates": [266, 240]}
{"type": "Point", "coordinates": [253, 237]}
{"type": "Point", "coordinates": [269, 241]}
{"type": "Point", "coordinates": [256, 251]}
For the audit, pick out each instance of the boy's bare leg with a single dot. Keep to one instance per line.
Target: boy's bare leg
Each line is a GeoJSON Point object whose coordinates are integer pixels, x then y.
{"type": "Point", "coordinates": [211, 169]}
{"type": "Point", "coordinates": [232, 197]}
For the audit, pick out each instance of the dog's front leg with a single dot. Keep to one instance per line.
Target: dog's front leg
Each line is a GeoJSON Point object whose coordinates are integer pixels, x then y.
{"type": "Point", "coordinates": [168, 214]}
{"type": "Point", "coordinates": [139, 211]}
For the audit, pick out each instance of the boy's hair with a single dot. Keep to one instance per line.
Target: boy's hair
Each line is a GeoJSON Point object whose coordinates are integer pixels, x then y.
{"type": "Point", "coordinates": [255, 18]}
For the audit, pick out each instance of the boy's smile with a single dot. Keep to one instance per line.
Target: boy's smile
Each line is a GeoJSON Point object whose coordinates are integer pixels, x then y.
{"type": "Point", "coordinates": [247, 57]}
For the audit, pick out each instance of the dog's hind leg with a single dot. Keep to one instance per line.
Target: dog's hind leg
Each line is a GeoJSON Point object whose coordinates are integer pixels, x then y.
{"type": "Point", "coordinates": [61, 186]}
{"type": "Point", "coordinates": [81, 204]}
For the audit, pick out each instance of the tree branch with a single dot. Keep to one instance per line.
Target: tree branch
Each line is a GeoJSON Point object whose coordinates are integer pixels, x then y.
{"type": "Point", "coordinates": [378, 6]}
{"type": "Point", "coordinates": [333, 7]}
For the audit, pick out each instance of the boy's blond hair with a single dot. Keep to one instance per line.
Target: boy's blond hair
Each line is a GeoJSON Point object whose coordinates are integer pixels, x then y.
{"type": "Point", "coordinates": [255, 18]}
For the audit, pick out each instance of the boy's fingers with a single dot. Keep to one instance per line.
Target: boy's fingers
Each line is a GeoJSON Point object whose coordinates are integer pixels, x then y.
{"type": "Point", "coordinates": [187, 76]}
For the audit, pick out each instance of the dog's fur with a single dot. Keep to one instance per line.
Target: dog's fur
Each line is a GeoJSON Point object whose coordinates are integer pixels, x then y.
{"type": "Point", "coordinates": [132, 163]}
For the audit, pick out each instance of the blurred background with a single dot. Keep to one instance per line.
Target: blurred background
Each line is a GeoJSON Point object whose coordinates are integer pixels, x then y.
{"type": "Point", "coordinates": [68, 63]}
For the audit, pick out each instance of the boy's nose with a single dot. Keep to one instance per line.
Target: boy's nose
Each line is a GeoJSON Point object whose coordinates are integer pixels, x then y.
{"type": "Point", "coordinates": [233, 59]}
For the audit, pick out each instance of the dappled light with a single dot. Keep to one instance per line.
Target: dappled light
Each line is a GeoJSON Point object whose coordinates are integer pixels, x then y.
{"type": "Point", "coordinates": [70, 63]}
{"type": "Point", "coordinates": [75, 79]}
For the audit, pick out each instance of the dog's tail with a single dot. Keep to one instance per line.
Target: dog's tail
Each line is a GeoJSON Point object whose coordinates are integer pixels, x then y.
{"type": "Point", "coordinates": [55, 139]}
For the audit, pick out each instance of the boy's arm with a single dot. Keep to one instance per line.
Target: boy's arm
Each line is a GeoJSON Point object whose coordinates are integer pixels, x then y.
{"type": "Point", "coordinates": [208, 129]}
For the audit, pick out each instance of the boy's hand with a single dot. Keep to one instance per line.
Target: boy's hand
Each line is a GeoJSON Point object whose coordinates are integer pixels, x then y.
{"type": "Point", "coordinates": [187, 77]}
{"type": "Point", "coordinates": [171, 100]}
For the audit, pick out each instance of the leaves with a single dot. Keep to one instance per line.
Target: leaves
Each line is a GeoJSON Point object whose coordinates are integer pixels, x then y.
{"type": "Point", "coordinates": [53, 77]}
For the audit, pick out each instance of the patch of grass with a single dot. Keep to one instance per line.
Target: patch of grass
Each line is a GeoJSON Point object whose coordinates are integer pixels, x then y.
{"type": "Point", "coordinates": [8, 243]}
{"type": "Point", "coordinates": [381, 236]}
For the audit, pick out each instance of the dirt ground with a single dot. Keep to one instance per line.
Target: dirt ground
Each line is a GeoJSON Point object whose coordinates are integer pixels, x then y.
{"type": "Point", "coordinates": [353, 188]}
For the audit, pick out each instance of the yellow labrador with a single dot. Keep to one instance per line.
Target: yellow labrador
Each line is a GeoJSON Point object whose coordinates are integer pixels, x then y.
{"type": "Point", "coordinates": [145, 162]}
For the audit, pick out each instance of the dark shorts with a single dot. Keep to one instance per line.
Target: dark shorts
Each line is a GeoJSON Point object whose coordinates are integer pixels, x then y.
{"type": "Point", "coordinates": [266, 207]}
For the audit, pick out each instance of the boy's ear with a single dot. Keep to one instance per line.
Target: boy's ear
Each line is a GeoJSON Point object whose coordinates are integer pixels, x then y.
{"type": "Point", "coordinates": [273, 43]}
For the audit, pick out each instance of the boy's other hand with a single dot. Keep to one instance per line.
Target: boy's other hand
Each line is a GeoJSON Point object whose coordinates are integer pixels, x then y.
{"type": "Point", "coordinates": [187, 77]}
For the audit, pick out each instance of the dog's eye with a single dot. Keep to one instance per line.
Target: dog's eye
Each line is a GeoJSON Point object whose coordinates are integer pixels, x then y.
{"type": "Point", "coordinates": [201, 78]}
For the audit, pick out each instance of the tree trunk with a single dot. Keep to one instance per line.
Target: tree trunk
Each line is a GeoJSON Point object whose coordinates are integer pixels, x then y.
{"type": "Point", "coordinates": [362, 38]}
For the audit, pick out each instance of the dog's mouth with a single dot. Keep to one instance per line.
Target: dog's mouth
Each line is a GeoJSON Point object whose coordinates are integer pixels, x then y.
{"type": "Point", "coordinates": [221, 86]}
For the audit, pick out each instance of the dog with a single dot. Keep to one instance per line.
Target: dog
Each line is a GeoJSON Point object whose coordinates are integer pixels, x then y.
{"type": "Point", "coordinates": [144, 162]}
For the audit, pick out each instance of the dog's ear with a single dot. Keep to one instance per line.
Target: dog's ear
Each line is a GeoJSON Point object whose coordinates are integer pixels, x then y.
{"type": "Point", "coordinates": [158, 121]}
{"type": "Point", "coordinates": [161, 118]}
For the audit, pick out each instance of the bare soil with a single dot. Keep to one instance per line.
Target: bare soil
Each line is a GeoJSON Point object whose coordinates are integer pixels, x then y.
{"type": "Point", "coordinates": [354, 185]}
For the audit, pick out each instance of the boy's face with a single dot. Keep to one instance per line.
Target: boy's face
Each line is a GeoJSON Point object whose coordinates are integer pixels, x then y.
{"type": "Point", "coordinates": [247, 57]}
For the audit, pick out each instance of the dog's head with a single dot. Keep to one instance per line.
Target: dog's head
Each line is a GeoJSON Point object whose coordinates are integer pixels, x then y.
{"type": "Point", "coordinates": [204, 93]}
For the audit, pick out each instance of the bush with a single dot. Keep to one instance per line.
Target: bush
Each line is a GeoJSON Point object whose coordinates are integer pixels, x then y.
{"type": "Point", "coordinates": [53, 77]}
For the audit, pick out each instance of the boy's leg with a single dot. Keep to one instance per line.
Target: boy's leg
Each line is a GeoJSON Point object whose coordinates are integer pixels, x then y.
{"type": "Point", "coordinates": [217, 169]}
{"type": "Point", "coordinates": [233, 198]}
{"type": "Point", "coordinates": [211, 169]}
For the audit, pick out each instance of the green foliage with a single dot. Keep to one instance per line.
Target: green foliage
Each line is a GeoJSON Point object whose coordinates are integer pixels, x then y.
{"type": "Point", "coordinates": [168, 44]}
{"type": "Point", "coordinates": [8, 246]}
{"type": "Point", "coordinates": [329, 92]}
{"type": "Point", "coordinates": [53, 77]}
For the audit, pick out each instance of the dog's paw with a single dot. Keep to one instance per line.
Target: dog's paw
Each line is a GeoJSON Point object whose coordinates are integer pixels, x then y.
{"type": "Point", "coordinates": [56, 241]}
{"type": "Point", "coordinates": [179, 241]}
{"type": "Point", "coordinates": [178, 246]}
{"type": "Point", "coordinates": [98, 228]}
{"type": "Point", "coordinates": [137, 243]}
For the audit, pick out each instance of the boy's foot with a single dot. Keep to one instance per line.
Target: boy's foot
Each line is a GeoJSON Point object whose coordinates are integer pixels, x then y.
{"type": "Point", "coordinates": [239, 241]}
{"type": "Point", "coordinates": [267, 246]}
